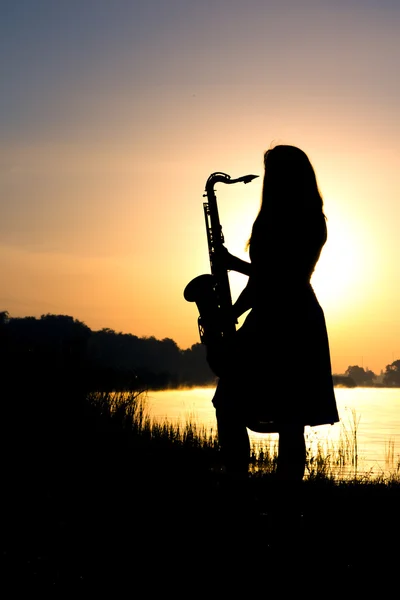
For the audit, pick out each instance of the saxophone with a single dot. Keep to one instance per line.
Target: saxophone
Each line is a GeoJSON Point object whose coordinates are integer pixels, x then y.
{"type": "Point", "coordinates": [211, 292]}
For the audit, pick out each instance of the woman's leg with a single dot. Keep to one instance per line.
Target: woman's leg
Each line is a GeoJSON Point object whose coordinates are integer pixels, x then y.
{"type": "Point", "coordinates": [291, 454]}
{"type": "Point", "coordinates": [234, 441]}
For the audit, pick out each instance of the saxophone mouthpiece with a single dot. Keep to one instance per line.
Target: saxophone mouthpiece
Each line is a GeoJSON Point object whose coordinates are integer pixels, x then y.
{"type": "Point", "coordinates": [248, 178]}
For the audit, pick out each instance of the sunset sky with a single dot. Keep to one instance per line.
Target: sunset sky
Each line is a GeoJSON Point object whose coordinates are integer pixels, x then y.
{"type": "Point", "coordinates": [114, 113]}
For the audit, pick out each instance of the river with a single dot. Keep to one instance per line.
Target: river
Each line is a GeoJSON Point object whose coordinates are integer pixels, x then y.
{"type": "Point", "coordinates": [369, 422]}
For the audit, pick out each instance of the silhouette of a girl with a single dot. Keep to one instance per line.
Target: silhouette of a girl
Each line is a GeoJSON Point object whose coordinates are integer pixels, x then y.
{"type": "Point", "coordinates": [278, 370]}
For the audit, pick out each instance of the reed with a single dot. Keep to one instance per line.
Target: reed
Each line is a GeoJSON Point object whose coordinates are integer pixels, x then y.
{"type": "Point", "coordinates": [331, 460]}
{"type": "Point", "coordinates": [98, 490]}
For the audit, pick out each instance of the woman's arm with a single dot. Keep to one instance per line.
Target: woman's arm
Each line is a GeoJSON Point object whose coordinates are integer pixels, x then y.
{"type": "Point", "coordinates": [244, 301]}
{"type": "Point", "coordinates": [233, 263]}
{"type": "Point", "coordinates": [237, 264]}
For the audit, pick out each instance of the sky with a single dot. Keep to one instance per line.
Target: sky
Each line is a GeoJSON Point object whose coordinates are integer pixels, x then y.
{"type": "Point", "coordinates": [113, 114]}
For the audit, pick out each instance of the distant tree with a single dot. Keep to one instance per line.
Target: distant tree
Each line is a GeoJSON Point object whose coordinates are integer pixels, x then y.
{"type": "Point", "coordinates": [343, 381]}
{"type": "Point", "coordinates": [391, 377]}
{"type": "Point", "coordinates": [53, 341]}
{"type": "Point", "coordinates": [361, 376]}
{"type": "Point", "coordinates": [194, 367]}
{"type": "Point", "coordinates": [4, 317]}
{"type": "Point", "coordinates": [59, 344]}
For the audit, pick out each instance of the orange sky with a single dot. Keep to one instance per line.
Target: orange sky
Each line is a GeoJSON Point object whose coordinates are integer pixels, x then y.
{"type": "Point", "coordinates": [113, 116]}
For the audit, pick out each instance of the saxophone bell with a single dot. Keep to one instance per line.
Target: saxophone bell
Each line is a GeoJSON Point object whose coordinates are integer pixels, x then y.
{"type": "Point", "coordinates": [202, 291]}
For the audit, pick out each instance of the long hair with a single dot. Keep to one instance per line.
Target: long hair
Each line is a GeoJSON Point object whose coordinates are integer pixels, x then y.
{"type": "Point", "coordinates": [290, 186]}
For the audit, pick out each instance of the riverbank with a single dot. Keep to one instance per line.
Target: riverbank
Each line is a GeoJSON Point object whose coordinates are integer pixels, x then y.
{"type": "Point", "coordinates": [97, 500]}
{"type": "Point", "coordinates": [92, 529]}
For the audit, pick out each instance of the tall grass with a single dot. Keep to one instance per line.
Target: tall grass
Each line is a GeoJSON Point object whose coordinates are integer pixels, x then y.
{"type": "Point", "coordinates": [93, 485]}
{"type": "Point", "coordinates": [127, 412]}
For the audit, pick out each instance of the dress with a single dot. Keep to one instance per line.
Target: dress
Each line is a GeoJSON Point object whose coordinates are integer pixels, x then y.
{"type": "Point", "coordinates": [279, 369]}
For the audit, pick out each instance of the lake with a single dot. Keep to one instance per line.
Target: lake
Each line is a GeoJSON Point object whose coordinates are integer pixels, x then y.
{"type": "Point", "coordinates": [369, 420]}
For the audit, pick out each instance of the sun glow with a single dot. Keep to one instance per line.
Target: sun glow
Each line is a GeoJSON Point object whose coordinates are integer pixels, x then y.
{"type": "Point", "coordinates": [338, 270]}
{"type": "Point", "coordinates": [347, 265]}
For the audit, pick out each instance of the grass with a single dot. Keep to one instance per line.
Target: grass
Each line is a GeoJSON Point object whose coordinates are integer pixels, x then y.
{"type": "Point", "coordinates": [97, 493]}
{"type": "Point", "coordinates": [338, 461]}
{"type": "Point", "coordinates": [195, 450]}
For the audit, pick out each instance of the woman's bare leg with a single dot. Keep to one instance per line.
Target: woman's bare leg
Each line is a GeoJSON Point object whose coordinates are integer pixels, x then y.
{"type": "Point", "coordinates": [234, 442]}
{"type": "Point", "coordinates": [291, 454]}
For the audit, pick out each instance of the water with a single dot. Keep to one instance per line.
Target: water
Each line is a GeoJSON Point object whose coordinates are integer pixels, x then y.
{"type": "Point", "coordinates": [369, 418]}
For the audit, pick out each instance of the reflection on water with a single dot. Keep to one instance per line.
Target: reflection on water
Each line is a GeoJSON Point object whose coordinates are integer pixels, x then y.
{"type": "Point", "coordinates": [369, 418]}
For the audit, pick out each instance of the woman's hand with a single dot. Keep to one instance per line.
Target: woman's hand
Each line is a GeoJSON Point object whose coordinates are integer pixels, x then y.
{"type": "Point", "coordinates": [232, 263]}
{"type": "Point", "coordinates": [225, 259]}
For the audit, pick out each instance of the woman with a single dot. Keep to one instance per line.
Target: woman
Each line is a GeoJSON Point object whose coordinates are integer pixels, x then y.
{"type": "Point", "coordinates": [278, 374]}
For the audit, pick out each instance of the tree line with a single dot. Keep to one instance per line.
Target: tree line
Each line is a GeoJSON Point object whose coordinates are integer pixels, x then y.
{"type": "Point", "coordinates": [107, 359]}
{"type": "Point", "coordinates": [103, 359]}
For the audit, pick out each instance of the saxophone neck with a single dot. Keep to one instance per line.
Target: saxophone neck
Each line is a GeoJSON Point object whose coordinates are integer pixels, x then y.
{"type": "Point", "coordinates": [218, 177]}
